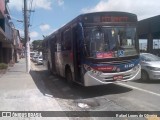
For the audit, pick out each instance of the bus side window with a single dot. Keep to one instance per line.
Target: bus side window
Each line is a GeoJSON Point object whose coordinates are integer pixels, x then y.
{"type": "Point", "coordinates": [59, 48]}
{"type": "Point", "coordinates": [55, 43]}
{"type": "Point", "coordinates": [66, 42]}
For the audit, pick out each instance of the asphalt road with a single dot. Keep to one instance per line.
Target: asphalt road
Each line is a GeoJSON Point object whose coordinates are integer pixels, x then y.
{"type": "Point", "coordinates": [126, 96]}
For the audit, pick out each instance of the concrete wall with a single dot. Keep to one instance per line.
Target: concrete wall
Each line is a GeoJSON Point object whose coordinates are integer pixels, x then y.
{"type": "Point", "coordinates": [5, 54]}
{"type": "Point", "coordinates": [9, 42]}
{"type": "Point", "coordinates": [8, 30]}
{"type": "Point", "coordinates": [149, 26]}
{"type": "Point", "coordinates": [149, 29]}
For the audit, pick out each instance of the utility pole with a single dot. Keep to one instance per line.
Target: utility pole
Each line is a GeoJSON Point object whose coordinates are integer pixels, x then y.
{"type": "Point", "coordinates": [26, 25]}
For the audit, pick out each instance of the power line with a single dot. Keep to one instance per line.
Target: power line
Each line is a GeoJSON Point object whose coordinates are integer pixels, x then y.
{"type": "Point", "coordinates": [30, 11]}
{"type": "Point", "coordinates": [33, 12]}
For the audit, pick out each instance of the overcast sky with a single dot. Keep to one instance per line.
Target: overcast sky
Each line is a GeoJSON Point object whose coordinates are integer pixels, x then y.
{"type": "Point", "coordinates": [50, 15]}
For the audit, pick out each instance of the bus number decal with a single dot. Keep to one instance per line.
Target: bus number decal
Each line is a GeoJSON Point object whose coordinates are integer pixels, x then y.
{"type": "Point", "coordinates": [129, 65]}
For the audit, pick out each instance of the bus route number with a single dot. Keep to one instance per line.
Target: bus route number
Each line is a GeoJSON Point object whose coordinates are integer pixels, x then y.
{"type": "Point", "coordinates": [129, 65]}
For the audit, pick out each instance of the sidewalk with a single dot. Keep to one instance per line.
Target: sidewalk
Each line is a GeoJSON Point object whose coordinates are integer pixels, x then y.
{"type": "Point", "coordinates": [18, 92]}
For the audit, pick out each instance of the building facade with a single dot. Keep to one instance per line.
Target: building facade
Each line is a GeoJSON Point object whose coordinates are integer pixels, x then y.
{"type": "Point", "coordinates": [17, 45]}
{"type": "Point", "coordinates": [8, 41]}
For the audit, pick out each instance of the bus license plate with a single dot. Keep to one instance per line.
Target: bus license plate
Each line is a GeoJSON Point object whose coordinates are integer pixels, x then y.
{"type": "Point", "coordinates": [119, 77]}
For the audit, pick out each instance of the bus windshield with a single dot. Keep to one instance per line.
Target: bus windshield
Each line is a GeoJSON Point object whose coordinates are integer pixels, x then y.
{"type": "Point", "coordinates": [107, 41]}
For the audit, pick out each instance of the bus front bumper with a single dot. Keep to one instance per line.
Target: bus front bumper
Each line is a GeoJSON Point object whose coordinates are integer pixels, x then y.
{"type": "Point", "coordinates": [91, 79]}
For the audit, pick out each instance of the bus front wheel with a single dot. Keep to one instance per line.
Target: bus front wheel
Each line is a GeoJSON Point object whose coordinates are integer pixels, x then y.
{"type": "Point", "coordinates": [69, 77]}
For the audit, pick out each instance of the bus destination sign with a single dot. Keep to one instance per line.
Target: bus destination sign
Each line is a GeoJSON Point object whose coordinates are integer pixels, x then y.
{"type": "Point", "coordinates": [110, 19]}
{"type": "Point", "coordinates": [113, 19]}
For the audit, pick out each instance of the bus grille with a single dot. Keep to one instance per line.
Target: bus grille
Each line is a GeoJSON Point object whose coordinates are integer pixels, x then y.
{"type": "Point", "coordinates": [110, 79]}
{"type": "Point", "coordinates": [116, 62]}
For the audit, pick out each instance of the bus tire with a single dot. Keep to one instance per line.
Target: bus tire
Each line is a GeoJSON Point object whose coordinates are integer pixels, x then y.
{"type": "Point", "coordinates": [69, 77]}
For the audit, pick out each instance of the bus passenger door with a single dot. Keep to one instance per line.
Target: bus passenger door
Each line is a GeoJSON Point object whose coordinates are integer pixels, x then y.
{"type": "Point", "coordinates": [77, 54]}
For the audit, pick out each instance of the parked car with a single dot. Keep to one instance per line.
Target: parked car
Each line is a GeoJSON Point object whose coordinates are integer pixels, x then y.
{"type": "Point", "coordinates": [32, 54]}
{"type": "Point", "coordinates": [34, 58]}
{"type": "Point", "coordinates": [150, 66]}
{"type": "Point", "coordinates": [39, 60]}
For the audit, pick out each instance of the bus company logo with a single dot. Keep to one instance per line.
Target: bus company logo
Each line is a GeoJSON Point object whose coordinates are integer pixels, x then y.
{"type": "Point", "coordinates": [114, 68]}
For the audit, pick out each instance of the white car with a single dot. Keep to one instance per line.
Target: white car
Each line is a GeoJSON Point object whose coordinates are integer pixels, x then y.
{"type": "Point", "coordinates": [150, 66]}
{"type": "Point", "coordinates": [39, 60]}
{"type": "Point", "coordinates": [34, 58]}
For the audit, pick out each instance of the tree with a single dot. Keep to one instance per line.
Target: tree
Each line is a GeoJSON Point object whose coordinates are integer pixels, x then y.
{"type": "Point", "coordinates": [23, 41]}
{"type": "Point", "coordinates": [37, 45]}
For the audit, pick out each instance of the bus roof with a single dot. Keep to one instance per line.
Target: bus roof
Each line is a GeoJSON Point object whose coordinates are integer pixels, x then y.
{"type": "Point", "coordinates": [103, 17]}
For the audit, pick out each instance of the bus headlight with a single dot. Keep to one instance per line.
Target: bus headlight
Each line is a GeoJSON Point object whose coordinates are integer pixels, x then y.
{"type": "Point", "coordinates": [87, 68]}
{"type": "Point", "coordinates": [136, 67]}
{"type": "Point", "coordinates": [93, 71]}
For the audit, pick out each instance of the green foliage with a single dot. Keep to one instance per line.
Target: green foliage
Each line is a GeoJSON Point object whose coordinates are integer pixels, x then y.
{"type": "Point", "coordinates": [3, 66]}
{"type": "Point", "coordinates": [37, 45]}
